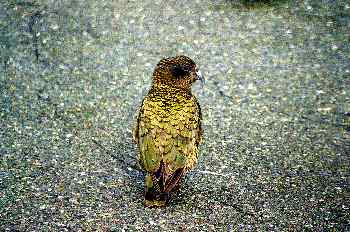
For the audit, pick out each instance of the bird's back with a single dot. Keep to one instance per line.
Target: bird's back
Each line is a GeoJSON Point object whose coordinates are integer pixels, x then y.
{"type": "Point", "coordinates": [168, 128]}
{"type": "Point", "coordinates": [168, 131]}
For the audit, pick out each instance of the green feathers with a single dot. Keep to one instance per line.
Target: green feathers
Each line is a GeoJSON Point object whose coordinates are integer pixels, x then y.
{"type": "Point", "coordinates": [168, 128]}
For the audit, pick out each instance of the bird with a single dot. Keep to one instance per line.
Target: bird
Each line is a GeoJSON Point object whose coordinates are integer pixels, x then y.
{"type": "Point", "coordinates": [168, 130]}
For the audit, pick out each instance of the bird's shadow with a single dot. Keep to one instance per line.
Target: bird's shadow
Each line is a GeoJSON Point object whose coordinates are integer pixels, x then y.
{"type": "Point", "coordinates": [121, 153]}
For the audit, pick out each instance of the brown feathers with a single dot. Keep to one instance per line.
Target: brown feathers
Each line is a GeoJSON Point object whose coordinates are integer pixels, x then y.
{"type": "Point", "coordinates": [168, 128]}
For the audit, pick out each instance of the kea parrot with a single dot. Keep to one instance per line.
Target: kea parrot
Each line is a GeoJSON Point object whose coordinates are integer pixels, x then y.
{"type": "Point", "coordinates": [168, 129]}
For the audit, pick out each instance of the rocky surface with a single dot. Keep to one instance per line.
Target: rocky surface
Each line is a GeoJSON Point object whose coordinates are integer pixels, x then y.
{"type": "Point", "coordinates": [275, 109]}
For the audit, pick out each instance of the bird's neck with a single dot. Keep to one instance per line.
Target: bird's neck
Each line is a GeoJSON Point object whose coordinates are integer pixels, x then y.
{"type": "Point", "coordinates": [171, 89]}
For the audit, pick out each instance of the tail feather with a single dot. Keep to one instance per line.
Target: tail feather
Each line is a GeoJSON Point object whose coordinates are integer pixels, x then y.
{"type": "Point", "coordinates": [174, 180]}
{"type": "Point", "coordinates": [158, 187]}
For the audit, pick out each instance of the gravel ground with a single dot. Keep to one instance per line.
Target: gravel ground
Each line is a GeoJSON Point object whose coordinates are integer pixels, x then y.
{"type": "Point", "coordinates": [276, 114]}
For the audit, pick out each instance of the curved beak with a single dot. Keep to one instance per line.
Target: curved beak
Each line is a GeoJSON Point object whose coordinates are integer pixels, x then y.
{"type": "Point", "coordinates": [200, 77]}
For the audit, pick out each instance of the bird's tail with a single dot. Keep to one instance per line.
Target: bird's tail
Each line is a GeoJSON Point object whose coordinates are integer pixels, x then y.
{"type": "Point", "coordinates": [158, 186]}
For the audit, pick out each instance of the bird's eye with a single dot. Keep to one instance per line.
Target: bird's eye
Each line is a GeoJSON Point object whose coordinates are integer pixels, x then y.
{"type": "Point", "coordinates": [178, 71]}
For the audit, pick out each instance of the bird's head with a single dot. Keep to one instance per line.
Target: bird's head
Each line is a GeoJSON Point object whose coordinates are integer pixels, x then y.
{"type": "Point", "coordinates": [179, 72]}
